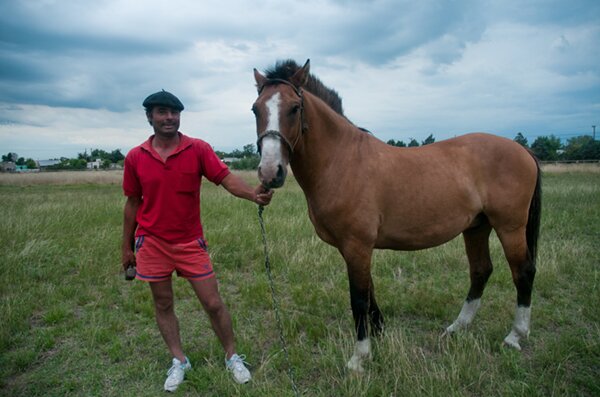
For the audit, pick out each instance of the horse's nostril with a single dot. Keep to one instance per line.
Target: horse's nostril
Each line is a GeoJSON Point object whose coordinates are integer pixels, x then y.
{"type": "Point", "coordinates": [279, 172]}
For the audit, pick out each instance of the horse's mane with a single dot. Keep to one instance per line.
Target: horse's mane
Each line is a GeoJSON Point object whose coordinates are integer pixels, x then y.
{"type": "Point", "coordinates": [285, 69]}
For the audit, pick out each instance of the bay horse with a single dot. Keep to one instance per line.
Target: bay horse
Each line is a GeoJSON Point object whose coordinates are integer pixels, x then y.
{"type": "Point", "coordinates": [364, 194]}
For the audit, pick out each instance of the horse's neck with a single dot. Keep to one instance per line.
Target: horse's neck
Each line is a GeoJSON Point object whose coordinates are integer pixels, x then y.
{"type": "Point", "coordinates": [329, 138]}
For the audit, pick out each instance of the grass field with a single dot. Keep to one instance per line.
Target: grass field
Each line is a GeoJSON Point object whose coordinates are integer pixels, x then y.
{"type": "Point", "coordinates": [71, 326]}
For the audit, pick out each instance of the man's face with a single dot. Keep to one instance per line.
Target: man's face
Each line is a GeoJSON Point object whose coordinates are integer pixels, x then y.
{"type": "Point", "coordinates": [165, 121]}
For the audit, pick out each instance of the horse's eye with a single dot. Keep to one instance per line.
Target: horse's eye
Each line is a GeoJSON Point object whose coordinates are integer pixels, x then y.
{"type": "Point", "coordinates": [294, 109]}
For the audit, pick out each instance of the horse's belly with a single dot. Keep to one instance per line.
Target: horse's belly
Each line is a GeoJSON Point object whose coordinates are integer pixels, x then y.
{"type": "Point", "coordinates": [413, 244]}
{"type": "Point", "coordinates": [402, 237]}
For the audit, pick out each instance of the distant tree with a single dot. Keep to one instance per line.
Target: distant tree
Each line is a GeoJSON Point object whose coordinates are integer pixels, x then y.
{"type": "Point", "coordinates": [249, 150]}
{"type": "Point", "coordinates": [582, 148]}
{"type": "Point", "coordinates": [521, 140]}
{"type": "Point", "coordinates": [10, 157]}
{"type": "Point", "coordinates": [236, 153]}
{"type": "Point", "coordinates": [413, 143]}
{"type": "Point", "coordinates": [31, 164]}
{"type": "Point", "coordinates": [116, 156]}
{"type": "Point", "coordinates": [20, 161]}
{"type": "Point", "coordinates": [246, 163]}
{"type": "Point", "coordinates": [428, 140]}
{"type": "Point", "coordinates": [220, 154]}
{"type": "Point", "coordinates": [396, 143]}
{"type": "Point", "coordinates": [99, 154]}
{"type": "Point", "coordinates": [77, 164]}
{"type": "Point", "coordinates": [546, 147]}
{"type": "Point", "coordinates": [84, 156]}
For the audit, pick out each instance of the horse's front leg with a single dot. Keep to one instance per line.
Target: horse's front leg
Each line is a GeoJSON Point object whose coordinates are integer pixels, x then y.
{"type": "Point", "coordinates": [362, 300]}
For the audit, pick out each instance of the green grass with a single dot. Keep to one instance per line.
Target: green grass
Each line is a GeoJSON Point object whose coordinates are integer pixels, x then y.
{"type": "Point", "coordinates": [71, 325]}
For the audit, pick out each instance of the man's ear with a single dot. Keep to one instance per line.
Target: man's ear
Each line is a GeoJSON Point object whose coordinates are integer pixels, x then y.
{"type": "Point", "coordinates": [149, 116]}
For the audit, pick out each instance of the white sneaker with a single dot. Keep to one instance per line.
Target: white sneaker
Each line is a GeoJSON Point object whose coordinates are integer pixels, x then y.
{"type": "Point", "coordinates": [239, 371]}
{"type": "Point", "coordinates": [176, 374]}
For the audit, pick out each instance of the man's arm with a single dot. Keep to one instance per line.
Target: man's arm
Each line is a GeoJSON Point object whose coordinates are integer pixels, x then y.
{"type": "Point", "coordinates": [239, 188]}
{"type": "Point", "coordinates": [129, 224]}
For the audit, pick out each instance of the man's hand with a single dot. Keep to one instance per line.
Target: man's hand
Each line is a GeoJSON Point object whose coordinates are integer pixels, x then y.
{"type": "Point", "coordinates": [263, 195]}
{"type": "Point", "coordinates": [127, 257]}
{"type": "Point", "coordinates": [239, 188]}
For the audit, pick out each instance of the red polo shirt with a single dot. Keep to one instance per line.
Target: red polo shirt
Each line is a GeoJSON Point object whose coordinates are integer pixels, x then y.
{"type": "Point", "coordinates": [170, 189]}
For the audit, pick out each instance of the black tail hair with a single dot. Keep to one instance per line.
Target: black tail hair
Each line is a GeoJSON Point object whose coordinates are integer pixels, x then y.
{"type": "Point", "coordinates": [535, 216]}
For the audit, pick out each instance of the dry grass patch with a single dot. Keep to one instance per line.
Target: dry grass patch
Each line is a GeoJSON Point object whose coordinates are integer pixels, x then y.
{"type": "Point", "coordinates": [560, 168]}
{"type": "Point", "coordinates": [112, 177]}
{"type": "Point", "coordinates": [96, 177]}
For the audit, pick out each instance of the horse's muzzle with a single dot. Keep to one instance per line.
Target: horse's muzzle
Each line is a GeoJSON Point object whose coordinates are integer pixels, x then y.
{"type": "Point", "coordinates": [272, 180]}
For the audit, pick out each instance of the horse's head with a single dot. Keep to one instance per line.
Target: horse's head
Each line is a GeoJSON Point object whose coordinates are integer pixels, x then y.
{"type": "Point", "coordinates": [279, 123]}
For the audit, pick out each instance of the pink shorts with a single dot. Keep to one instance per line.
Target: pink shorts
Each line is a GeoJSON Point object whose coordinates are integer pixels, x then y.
{"type": "Point", "coordinates": [156, 259]}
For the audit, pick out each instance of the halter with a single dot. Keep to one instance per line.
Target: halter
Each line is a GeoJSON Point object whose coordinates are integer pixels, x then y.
{"type": "Point", "coordinates": [276, 134]}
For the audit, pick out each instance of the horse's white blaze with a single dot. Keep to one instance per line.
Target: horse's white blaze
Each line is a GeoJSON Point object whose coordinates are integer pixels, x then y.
{"type": "Point", "coordinates": [271, 146]}
{"type": "Point", "coordinates": [465, 317]}
{"type": "Point", "coordinates": [362, 350]}
{"type": "Point", "coordinates": [520, 328]}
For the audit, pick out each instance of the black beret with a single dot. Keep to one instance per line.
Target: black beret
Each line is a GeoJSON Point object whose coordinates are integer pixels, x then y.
{"type": "Point", "coordinates": [163, 98]}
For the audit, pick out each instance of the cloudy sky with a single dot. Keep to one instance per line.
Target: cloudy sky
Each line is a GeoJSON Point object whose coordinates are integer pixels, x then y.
{"type": "Point", "coordinates": [73, 74]}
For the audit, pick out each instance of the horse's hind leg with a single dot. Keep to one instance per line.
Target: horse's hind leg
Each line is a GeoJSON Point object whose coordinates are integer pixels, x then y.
{"type": "Point", "coordinates": [375, 316]}
{"type": "Point", "coordinates": [480, 269]}
{"type": "Point", "coordinates": [523, 273]}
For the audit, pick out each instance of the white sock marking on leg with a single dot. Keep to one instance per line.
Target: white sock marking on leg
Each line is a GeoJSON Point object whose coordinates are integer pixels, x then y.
{"type": "Point", "coordinates": [520, 328]}
{"type": "Point", "coordinates": [362, 350]}
{"type": "Point", "coordinates": [466, 315]}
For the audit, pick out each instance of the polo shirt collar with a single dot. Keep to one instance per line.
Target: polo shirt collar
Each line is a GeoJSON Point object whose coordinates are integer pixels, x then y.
{"type": "Point", "coordinates": [184, 142]}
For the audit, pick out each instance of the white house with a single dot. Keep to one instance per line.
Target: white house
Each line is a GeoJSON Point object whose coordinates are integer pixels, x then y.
{"type": "Point", "coordinates": [94, 165]}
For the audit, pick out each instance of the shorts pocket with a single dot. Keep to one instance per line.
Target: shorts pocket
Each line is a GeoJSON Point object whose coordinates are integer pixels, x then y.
{"type": "Point", "coordinates": [202, 244]}
{"type": "Point", "coordinates": [139, 241]}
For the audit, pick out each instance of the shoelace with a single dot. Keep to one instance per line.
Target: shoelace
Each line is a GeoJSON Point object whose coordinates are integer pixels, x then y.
{"type": "Point", "coordinates": [234, 363]}
{"type": "Point", "coordinates": [174, 367]}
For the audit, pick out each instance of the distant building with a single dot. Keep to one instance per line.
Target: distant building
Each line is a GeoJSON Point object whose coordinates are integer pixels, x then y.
{"type": "Point", "coordinates": [47, 163]}
{"type": "Point", "coordinates": [94, 165]}
{"type": "Point", "coordinates": [229, 160]}
{"type": "Point", "coordinates": [7, 166]}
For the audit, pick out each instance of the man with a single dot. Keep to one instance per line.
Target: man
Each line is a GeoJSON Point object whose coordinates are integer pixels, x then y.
{"type": "Point", "coordinates": [162, 180]}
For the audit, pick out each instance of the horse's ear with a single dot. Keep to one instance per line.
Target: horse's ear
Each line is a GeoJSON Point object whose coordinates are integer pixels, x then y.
{"type": "Point", "coordinates": [301, 76]}
{"type": "Point", "coordinates": [260, 80]}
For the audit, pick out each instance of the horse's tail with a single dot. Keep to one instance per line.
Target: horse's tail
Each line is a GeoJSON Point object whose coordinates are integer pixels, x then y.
{"type": "Point", "coordinates": [535, 215]}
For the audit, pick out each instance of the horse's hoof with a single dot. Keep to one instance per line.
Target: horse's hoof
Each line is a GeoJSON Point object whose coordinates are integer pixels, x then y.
{"type": "Point", "coordinates": [452, 329]}
{"type": "Point", "coordinates": [512, 340]}
{"type": "Point", "coordinates": [355, 365]}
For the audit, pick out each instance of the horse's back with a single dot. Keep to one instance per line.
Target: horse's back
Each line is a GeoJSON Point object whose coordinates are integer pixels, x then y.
{"type": "Point", "coordinates": [474, 159]}
{"type": "Point", "coordinates": [429, 195]}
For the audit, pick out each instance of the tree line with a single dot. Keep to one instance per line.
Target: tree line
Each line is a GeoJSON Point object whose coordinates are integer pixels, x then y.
{"type": "Point", "coordinates": [78, 163]}
{"type": "Point", "coordinates": [245, 159]}
{"type": "Point", "coordinates": [14, 158]}
{"type": "Point", "coordinates": [546, 148]}
{"type": "Point", "coordinates": [551, 148]}
{"type": "Point", "coordinates": [82, 160]}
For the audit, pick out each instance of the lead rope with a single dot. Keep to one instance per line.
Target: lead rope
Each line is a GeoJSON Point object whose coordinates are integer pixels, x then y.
{"type": "Point", "coordinates": [275, 303]}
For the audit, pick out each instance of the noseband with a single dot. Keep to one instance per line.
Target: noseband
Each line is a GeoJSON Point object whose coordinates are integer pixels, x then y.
{"type": "Point", "coordinates": [276, 134]}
